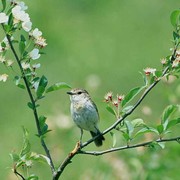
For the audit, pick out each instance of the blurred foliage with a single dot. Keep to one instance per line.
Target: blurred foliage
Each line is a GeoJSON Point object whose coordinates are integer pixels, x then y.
{"type": "Point", "coordinates": [99, 45]}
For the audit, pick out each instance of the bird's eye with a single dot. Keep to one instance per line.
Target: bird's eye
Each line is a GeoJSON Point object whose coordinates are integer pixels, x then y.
{"type": "Point", "coordinates": [79, 92]}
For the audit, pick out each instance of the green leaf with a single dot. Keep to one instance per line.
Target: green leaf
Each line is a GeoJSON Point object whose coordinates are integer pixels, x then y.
{"type": "Point", "coordinates": [165, 124]}
{"type": "Point", "coordinates": [146, 130]}
{"type": "Point", "coordinates": [132, 94]}
{"type": "Point", "coordinates": [175, 17]}
{"type": "Point", "coordinates": [173, 123]}
{"type": "Point", "coordinates": [33, 177]}
{"type": "Point", "coordinates": [57, 86]}
{"type": "Point", "coordinates": [21, 86]}
{"type": "Point", "coordinates": [127, 109]}
{"type": "Point", "coordinates": [40, 158]}
{"type": "Point", "coordinates": [158, 73]}
{"type": "Point", "coordinates": [176, 36]}
{"type": "Point", "coordinates": [26, 144]}
{"type": "Point", "coordinates": [42, 120]}
{"type": "Point", "coordinates": [10, 23]}
{"type": "Point", "coordinates": [22, 45]}
{"type": "Point", "coordinates": [15, 157]}
{"type": "Point", "coordinates": [4, 4]}
{"type": "Point", "coordinates": [161, 144]}
{"type": "Point", "coordinates": [111, 110]}
{"type": "Point", "coordinates": [45, 159]}
{"type": "Point", "coordinates": [144, 79]}
{"type": "Point", "coordinates": [114, 139]}
{"type": "Point", "coordinates": [17, 80]}
{"type": "Point", "coordinates": [137, 122]}
{"type": "Point", "coordinates": [160, 128]}
{"type": "Point", "coordinates": [41, 87]}
{"type": "Point", "coordinates": [168, 112]}
{"type": "Point", "coordinates": [129, 127]}
{"type": "Point", "coordinates": [156, 145]}
{"type": "Point", "coordinates": [43, 125]}
{"type": "Point", "coordinates": [30, 105]}
{"type": "Point", "coordinates": [126, 136]}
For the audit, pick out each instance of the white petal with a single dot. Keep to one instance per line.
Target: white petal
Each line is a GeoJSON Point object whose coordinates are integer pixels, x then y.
{"type": "Point", "coordinates": [34, 54]}
{"type": "Point", "coordinates": [3, 18]}
{"type": "Point", "coordinates": [27, 26]}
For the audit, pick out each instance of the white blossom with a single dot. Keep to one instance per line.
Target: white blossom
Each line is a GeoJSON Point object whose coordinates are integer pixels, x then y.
{"type": "Point", "coordinates": [25, 65]}
{"type": "Point", "coordinates": [3, 77]}
{"type": "Point", "coordinates": [3, 18]}
{"type": "Point", "coordinates": [35, 85]}
{"type": "Point", "coordinates": [2, 59]}
{"type": "Point", "coordinates": [149, 71]}
{"type": "Point", "coordinates": [23, 6]}
{"type": "Point", "coordinates": [41, 42]}
{"type": "Point", "coordinates": [34, 54]}
{"type": "Point", "coordinates": [27, 25]}
{"type": "Point", "coordinates": [163, 61]}
{"type": "Point", "coordinates": [175, 63]}
{"type": "Point", "coordinates": [9, 63]}
{"type": "Point", "coordinates": [19, 14]}
{"type": "Point", "coordinates": [36, 66]}
{"type": "Point", "coordinates": [36, 33]}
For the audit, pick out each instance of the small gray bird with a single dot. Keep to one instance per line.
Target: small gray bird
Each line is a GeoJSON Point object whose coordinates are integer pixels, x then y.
{"type": "Point", "coordinates": [85, 114]}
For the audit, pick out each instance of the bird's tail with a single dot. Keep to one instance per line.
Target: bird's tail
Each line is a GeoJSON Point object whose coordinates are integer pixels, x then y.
{"type": "Point", "coordinates": [98, 141]}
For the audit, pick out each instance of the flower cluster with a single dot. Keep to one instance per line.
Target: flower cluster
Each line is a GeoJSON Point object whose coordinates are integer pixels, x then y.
{"type": "Point", "coordinates": [108, 98]}
{"type": "Point", "coordinates": [20, 16]}
{"type": "Point", "coordinates": [148, 71]}
{"type": "Point", "coordinates": [16, 18]}
{"type": "Point", "coordinates": [114, 104]}
{"type": "Point", "coordinates": [36, 35]}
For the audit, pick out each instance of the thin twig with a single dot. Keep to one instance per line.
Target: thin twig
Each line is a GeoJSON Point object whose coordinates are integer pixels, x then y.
{"type": "Point", "coordinates": [31, 99]}
{"type": "Point", "coordinates": [98, 153]}
{"type": "Point", "coordinates": [18, 174]}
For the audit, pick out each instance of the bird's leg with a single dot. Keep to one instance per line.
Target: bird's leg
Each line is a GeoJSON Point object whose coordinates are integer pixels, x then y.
{"type": "Point", "coordinates": [81, 136]}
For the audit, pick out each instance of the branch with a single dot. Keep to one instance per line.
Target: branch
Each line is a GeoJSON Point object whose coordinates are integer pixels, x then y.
{"type": "Point", "coordinates": [145, 144]}
{"type": "Point", "coordinates": [67, 161]}
{"type": "Point", "coordinates": [31, 99]}
{"type": "Point", "coordinates": [146, 92]}
{"type": "Point", "coordinates": [18, 174]}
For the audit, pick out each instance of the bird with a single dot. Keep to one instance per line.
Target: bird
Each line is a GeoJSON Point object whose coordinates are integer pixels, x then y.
{"type": "Point", "coordinates": [85, 114]}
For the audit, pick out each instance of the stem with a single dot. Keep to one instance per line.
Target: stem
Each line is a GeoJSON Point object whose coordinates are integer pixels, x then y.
{"type": "Point", "coordinates": [19, 175]}
{"type": "Point", "coordinates": [67, 161]}
{"type": "Point", "coordinates": [98, 153]}
{"type": "Point", "coordinates": [32, 101]}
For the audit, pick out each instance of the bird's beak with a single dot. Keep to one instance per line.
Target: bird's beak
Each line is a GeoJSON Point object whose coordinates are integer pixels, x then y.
{"type": "Point", "coordinates": [70, 93]}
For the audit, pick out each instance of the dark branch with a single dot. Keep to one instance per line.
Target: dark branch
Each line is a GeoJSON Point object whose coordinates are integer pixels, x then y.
{"type": "Point", "coordinates": [18, 174]}
{"type": "Point", "coordinates": [98, 153]}
{"type": "Point", "coordinates": [67, 161]}
{"type": "Point", "coordinates": [31, 99]}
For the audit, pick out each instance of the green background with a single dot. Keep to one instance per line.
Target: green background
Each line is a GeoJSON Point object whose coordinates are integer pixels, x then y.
{"type": "Point", "coordinates": [100, 45]}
